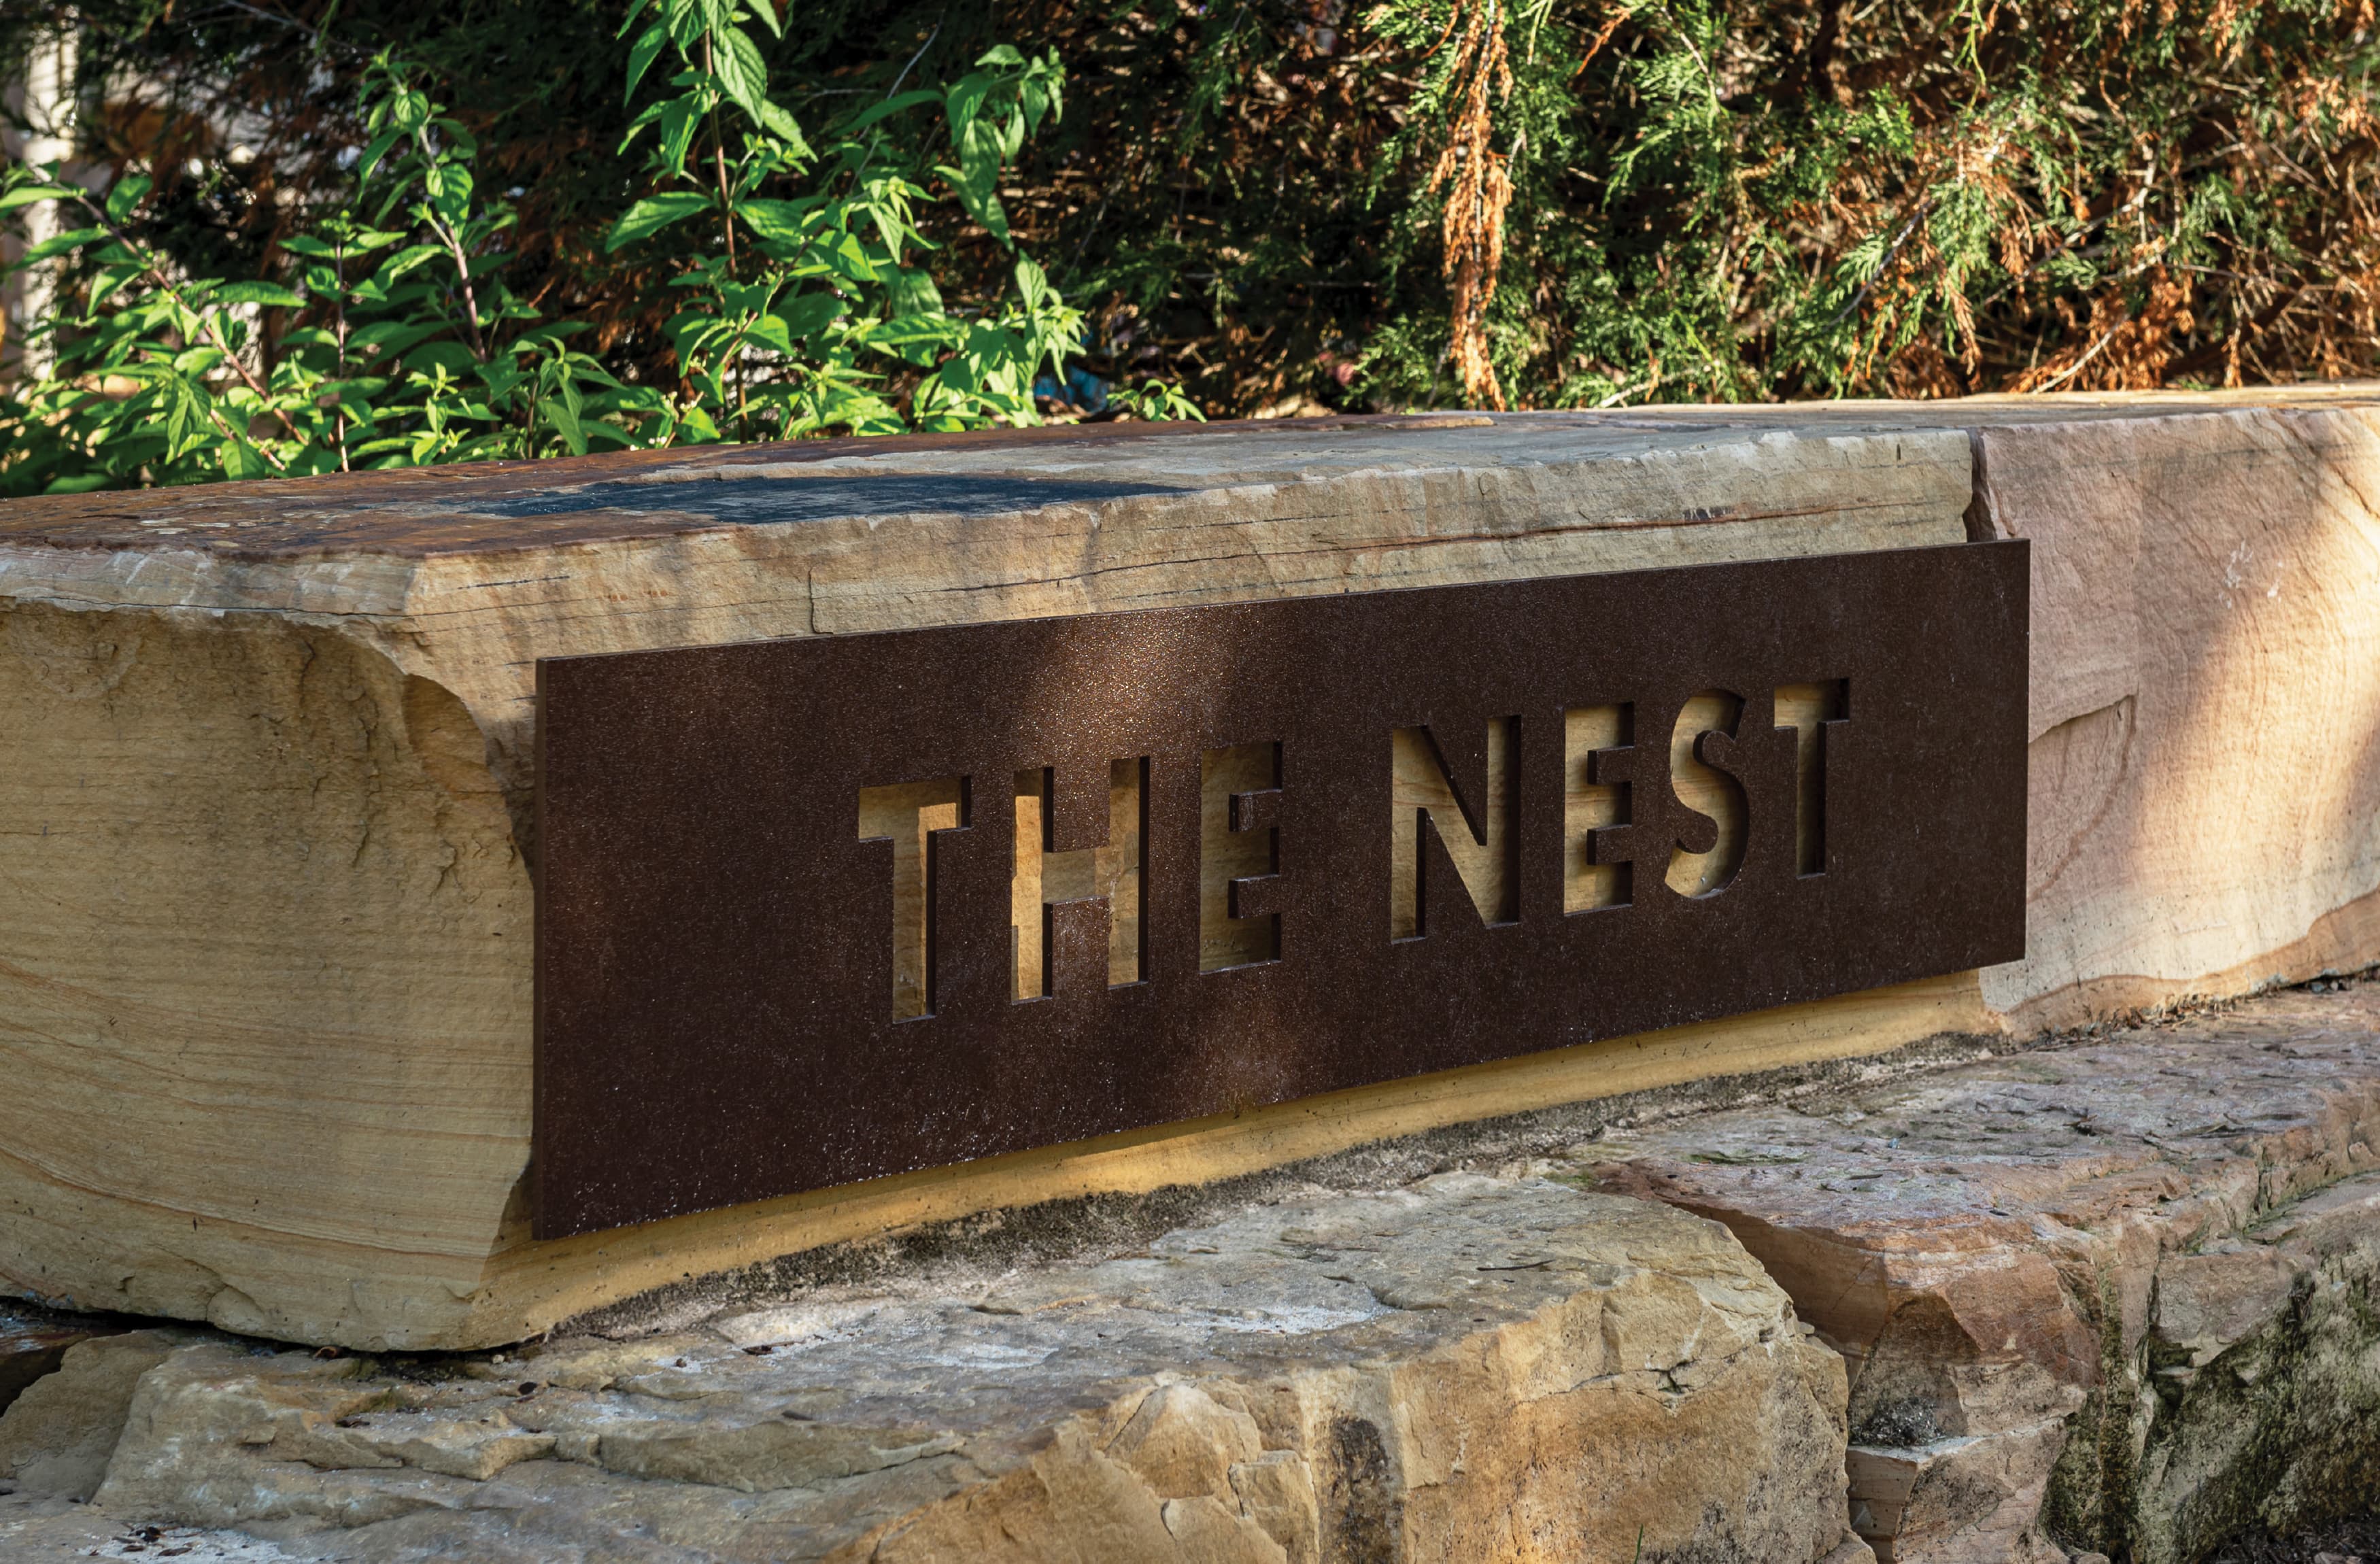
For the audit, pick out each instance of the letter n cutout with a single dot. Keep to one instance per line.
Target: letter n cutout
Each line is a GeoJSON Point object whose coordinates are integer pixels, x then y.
{"type": "Point", "coordinates": [1464, 803]}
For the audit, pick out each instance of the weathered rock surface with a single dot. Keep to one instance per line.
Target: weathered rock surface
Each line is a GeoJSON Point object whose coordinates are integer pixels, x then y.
{"type": "Point", "coordinates": [2199, 585]}
{"type": "Point", "coordinates": [264, 978]}
{"type": "Point", "coordinates": [33, 1341]}
{"type": "Point", "coordinates": [1472, 1368]}
{"type": "Point", "coordinates": [2124, 1296]}
{"type": "Point", "coordinates": [58, 1435]}
{"type": "Point", "coordinates": [2117, 1297]}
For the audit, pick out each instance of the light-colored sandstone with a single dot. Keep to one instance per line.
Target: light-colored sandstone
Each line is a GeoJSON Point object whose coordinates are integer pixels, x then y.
{"type": "Point", "coordinates": [2121, 1295]}
{"type": "Point", "coordinates": [2205, 802]}
{"type": "Point", "coordinates": [57, 1436]}
{"type": "Point", "coordinates": [1470, 1368]}
{"type": "Point", "coordinates": [34, 1342]}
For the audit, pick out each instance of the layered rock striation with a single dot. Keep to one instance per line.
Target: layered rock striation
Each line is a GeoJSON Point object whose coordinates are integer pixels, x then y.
{"type": "Point", "coordinates": [2117, 1297]}
{"type": "Point", "coordinates": [1473, 1366]}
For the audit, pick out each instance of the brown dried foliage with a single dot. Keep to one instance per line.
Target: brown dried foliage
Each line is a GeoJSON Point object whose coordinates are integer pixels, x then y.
{"type": "Point", "coordinates": [1481, 189]}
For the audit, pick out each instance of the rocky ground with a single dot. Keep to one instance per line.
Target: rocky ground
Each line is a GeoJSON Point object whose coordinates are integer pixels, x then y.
{"type": "Point", "coordinates": [2355, 1540]}
{"type": "Point", "coordinates": [2120, 1295]}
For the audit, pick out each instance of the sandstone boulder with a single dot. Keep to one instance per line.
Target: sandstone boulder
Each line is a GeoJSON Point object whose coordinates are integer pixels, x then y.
{"type": "Point", "coordinates": [266, 792]}
{"type": "Point", "coordinates": [56, 1438]}
{"type": "Point", "coordinates": [1471, 1368]}
{"type": "Point", "coordinates": [2119, 1297]}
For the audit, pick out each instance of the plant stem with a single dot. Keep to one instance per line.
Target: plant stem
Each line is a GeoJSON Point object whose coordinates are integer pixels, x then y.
{"type": "Point", "coordinates": [206, 323]}
{"type": "Point", "coordinates": [454, 244]}
{"type": "Point", "coordinates": [339, 336]}
{"type": "Point", "coordinates": [719, 166]}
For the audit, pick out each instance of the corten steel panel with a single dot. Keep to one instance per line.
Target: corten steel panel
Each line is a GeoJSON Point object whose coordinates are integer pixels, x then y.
{"type": "Point", "coordinates": [714, 940]}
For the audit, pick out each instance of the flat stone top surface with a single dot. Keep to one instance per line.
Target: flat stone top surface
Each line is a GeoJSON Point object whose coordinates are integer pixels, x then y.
{"type": "Point", "coordinates": [500, 507]}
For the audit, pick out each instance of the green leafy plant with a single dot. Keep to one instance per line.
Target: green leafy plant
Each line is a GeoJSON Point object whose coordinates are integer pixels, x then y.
{"type": "Point", "coordinates": [813, 312]}
{"type": "Point", "coordinates": [399, 343]}
{"type": "Point", "coordinates": [410, 348]}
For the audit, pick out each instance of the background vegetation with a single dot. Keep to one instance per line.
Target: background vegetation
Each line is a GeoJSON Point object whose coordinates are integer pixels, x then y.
{"type": "Point", "coordinates": [1311, 204]}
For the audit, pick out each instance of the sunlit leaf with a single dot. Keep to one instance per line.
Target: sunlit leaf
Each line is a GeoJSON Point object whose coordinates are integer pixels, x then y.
{"type": "Point", "coordinates": [128, 194]}
{"type": "Point", "coordinates": [655, 213]}
{"type": "Point", "coordinates": [641, 54]}
{"type": "Point", "coordinates": [270, 294]}
{"type": "Point", "coordinates": [26, 195]}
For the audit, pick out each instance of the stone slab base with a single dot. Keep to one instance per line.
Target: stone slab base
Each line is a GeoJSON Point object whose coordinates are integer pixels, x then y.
{"type": "Point", "coordinates": [1475, 1366]}
{"type": "Point", "coordinates": [2116, 1295]}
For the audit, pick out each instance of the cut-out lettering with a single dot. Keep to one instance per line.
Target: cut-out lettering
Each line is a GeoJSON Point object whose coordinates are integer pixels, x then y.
{"type": "Point", "coordinates": [1598, 807]}
{"type": "Point", "coordinates": [1052, 883]}
{"type": "Point", "coordinates": [1240, 883]}
{"type": "Point", "coordinates": [1473, 824]}
{"type": "Point", "coordinates": [1814, 712]}
{"type": "Point", "coordinates": [715, 949]}
{"type": "Point", "coordinates": [912, 815]}
{"type": "Point", "coordinates": [1706, 856]}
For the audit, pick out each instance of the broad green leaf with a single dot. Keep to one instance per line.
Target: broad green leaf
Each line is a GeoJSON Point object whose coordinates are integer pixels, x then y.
{"type": "Point", "coordinates": [242, 460]}
{"type": "Point", "coordinates": [1034, 283]}
{"type": "Point", "coordinates": [782, 126]}
{"type": "Point", "coordinates": [74, 239]}
{"type": "Point", "coordinates": [110, 279]}
{"type": "Point", "coordinates": [26, 195]}
{"type": "Point", "coordinates": [128, 193]}
{"type": "Point", "coordinates": [913, 293]}
{"type": "Point", "coordinates": [960, 105]}
{"type": "Point", "coordinates": [377, 148]}
{"type": "Point", "coordinates": [743, 75]}
{"type": "Point", "coordinates": [847, 255]}
{"type": "Point", "coordinates": [680, 119]}
{"type": "Point", "coordinates": [258, 293]}
{"type": "Point", "coordinates": [974, 194]}
{"type": "Point", "coordinates": [651, 113]}
{"type": "Point", "coordinates": [394, 267]}
{"type": "Point", "coordinates": [641, 54]}
{"type": "Point", "coordinates": [779, 222]}
{"type": "Point", "coordinates": [566, 422]}
{"type": "Point", "coordinates": [654, 213]}
{"type": "Point", "coordinates": [890, 107]}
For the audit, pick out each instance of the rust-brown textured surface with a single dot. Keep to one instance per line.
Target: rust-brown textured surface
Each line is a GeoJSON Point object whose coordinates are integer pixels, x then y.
{"type": "Point", "coordinates": [711, 928]}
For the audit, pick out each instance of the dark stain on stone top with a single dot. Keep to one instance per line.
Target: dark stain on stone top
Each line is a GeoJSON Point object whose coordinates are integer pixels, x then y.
{"type": "Point", "coordinates": [470, 507]}
{"type": "Point", "coordinates": [763, 500]}
{"type": "Point", "coordinates": [501, 517]}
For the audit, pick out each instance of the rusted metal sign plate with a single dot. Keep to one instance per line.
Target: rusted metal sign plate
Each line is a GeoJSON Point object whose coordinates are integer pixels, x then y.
{"type": "Point", "coordinates": [819, 910]}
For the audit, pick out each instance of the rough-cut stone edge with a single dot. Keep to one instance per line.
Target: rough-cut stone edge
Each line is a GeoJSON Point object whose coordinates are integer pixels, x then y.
{"type": "Point", "coordinates": [1055, 1231]}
